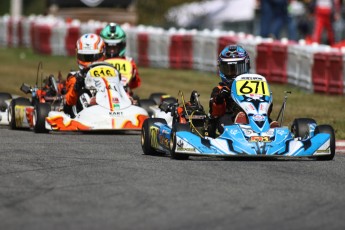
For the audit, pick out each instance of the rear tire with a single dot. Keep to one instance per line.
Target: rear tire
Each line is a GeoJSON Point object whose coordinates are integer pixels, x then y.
{"type": "Point", "coordinates": [145, 104]}
{"type": "Point", "coordinates": [178, 127]}
{"type": "Point", "coordinates": [300, 127]}
{"type": "Point", "coordinates": [11, 110]}
{"type": "Point", "coordinates": [327, 129]}
{"type": "Point", "coordinates": [3, 98]}
{"type": "Point", "coordinates": [41, 112]}
{"type": "Point", "coordinates": [146, 136]}
{"type": "Point", "coordinates": [157, 97]}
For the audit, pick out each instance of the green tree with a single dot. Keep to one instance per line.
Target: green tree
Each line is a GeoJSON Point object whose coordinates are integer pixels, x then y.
{"type": "Point", "coordinates": [29, 7]}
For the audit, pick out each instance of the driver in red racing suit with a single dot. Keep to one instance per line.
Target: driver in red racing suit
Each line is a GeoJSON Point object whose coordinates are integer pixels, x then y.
{"type": "Point", "coordinates": [115, 47]}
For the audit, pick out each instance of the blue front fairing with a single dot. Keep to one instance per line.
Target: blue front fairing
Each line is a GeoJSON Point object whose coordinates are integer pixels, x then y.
{"type": "Point", "coordinates": [252, 93]}
{"type": "Point", "coordinates": [241, 140]}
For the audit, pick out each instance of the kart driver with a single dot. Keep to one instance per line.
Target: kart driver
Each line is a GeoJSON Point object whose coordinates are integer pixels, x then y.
{"type": "Point", "coordinates": [115, 47]}
{"type": "Point", "coordinates": [233, 61]}
{"type": "Point", "coordinates": [90, 48]}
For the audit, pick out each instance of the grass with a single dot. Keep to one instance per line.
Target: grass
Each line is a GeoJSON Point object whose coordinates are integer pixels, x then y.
{"type": "Point", "coordinates": [20, 65]}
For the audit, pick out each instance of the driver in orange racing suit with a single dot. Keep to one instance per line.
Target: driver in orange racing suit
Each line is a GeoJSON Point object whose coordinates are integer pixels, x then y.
{"type": "Point", "coordinates": [90, 48]}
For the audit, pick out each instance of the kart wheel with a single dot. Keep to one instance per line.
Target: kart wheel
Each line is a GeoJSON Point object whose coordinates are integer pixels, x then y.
{"type": "Point", "coordinates": [157, 97]}
{"type": "Point", "coordinates": [177, 127]}
{"type": "Point", "coordinates": [147, 138]}
{"type": "Point", "coordinates": [327, 129]}
{"type": "Point", "coordinates": [11, 110]}
{"type": "Point", "coordinates": [169, 100]}
{"type": "Point", "coordinates": [300, 127]}
{"type": "Point", "coordinates": [145, 104]}
{"type": "Point", "coordinates": [40, 114]}
{"type": "Point", "coordinates": [3, 98]}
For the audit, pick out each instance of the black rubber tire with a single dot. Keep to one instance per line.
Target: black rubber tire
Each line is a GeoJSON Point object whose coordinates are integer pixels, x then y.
{"type": "Point", "coordinates": [169, 99]}
{"type": "Point", "coordinates": [157, 97]}
{"type": "Point", "coordinates": [327, 129]}
{"type": "Point", "coordinates": [3, 98]}
{"type": "Point", "coordinates": [11, 110]}
{"type": "Point", "coordinates": [177, 127]}
{"type": "Point", "coordinates": [41, 112]}
{"type": "Point", "coordinates": [145, 104]}
{"type": "Point", "coordinates": [300, 127]}
{"type": "Point", "coordinates": [146, 136]}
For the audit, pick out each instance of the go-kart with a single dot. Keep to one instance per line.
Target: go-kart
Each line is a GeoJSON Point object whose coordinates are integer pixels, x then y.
{"type": "Point", "coordinates": [24, 113]}
{"type": "Point", "coordinates": [151, 104]}
{"type": "Point", "coordinates": [102, 106]}
{"type": "Point", "coordinates": [251, 133]}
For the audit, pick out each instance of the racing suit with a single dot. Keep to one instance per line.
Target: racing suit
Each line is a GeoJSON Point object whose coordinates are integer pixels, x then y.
{"type": "Point", "coordinates": [326, 11]}
{"type": "Point", "coordinates": [135, 81]}
{"type": "Point", "coordinates": [224, 110]}
{"type": "Point", "coordinates": [74, 83]}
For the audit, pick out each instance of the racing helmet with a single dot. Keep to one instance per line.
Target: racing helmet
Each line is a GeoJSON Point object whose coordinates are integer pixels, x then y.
{"type": "Point", "coordinates": [90, 48]}
{"type": "Point", "coordinates": [233, 60]}
{"type": "Point", "coordinates": [115, 40]}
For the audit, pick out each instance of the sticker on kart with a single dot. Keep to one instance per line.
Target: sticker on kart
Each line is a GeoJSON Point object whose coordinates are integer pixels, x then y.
{"type": "Point", "coordinates": [102, 71]}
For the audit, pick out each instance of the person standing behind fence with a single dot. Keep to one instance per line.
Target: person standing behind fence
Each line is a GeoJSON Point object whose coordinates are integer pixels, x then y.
{"type": "Point", "coordinates": [325, 13]}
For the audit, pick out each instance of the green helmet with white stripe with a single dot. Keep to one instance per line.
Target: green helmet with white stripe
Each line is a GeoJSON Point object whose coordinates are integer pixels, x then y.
{"type": "Point", "coordinates": [115, 40]}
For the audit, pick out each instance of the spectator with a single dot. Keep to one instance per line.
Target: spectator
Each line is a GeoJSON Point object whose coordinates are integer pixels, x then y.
{"type": "Point", "coordinates": [326, 12]}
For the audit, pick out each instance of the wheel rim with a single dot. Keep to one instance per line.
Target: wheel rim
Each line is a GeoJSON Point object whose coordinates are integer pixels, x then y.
{"type": "Point", "coordinates": [171, 144]}
{"type": "Point", "coordinates": [9, 116]}
{"type": "Point", "coordinates": [143, 137]}
{"type": "Point", "coordinates": [35, 118]}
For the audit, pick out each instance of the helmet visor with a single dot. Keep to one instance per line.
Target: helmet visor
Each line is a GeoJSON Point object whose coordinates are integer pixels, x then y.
{"type": "Point", "coordinates": [233, 68]}
{"type": "Point", "coordinates": [89, 57]}
{"type": "Point", "coordinates": [114, 50]}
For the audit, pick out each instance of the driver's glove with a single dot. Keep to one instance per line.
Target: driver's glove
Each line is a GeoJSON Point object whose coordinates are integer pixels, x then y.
{"type": "Point", "coordinates": [79, 84]}
{"type": "Point", "coordinates": [223, 94]}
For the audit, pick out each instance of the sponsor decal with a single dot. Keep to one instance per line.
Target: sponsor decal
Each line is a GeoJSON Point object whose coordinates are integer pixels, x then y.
{"type": "Point", "coordinates": [115, 100]}
{"type": "Point", "coordinates": [259, 139]}
{"type": "Point", "coordinates": [115, 114]}
{"type": "Point", "coordinates": [234, 132]}
{"type": "Point", "coordinates": [258, 117]}
{"type": "Point", "coordinates": [179, 147]}
{"type": "Point", "coordinates": [154, 137]}
{"type": "Point", "coordinates": [163, 141]}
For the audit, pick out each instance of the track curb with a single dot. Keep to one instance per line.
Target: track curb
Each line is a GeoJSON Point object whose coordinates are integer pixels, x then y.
{"type": "Point", "coordinates": [340, 147]}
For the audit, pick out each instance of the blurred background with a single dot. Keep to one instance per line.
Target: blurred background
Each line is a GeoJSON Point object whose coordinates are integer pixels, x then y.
{"type": "Point", "coordinates": [293, 19]}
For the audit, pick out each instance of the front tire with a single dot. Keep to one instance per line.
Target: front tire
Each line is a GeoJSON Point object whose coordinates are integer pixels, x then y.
{"type": "Point", "coordinates": [41, 112]}
{"type": "Point", "coordinates": [327, 129]}
{"type": "Point", "coordinates": [300, 127]}
{"type": "Point", "coordinates": [147, 138]}
{"type": "Point", "coordinates": [146, 104]}
{"type": "Point", "coordinates": [3, 98]}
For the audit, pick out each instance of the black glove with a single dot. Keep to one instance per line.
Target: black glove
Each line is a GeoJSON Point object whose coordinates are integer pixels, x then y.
{"type": "Point", "coordinates": [79, 84]}
{"type": "Point", "coordinates": [223, 94]}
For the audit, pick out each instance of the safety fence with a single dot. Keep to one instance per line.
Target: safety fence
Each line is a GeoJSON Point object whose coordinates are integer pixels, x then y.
{"type": "Point", "coordinates": [313, 67]}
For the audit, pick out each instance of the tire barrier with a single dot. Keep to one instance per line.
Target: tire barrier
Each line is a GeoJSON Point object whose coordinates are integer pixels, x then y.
{"type": "Point", "coordinates": [313, 67]}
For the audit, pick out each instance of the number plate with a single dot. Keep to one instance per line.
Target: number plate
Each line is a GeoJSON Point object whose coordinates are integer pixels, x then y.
{"type": "Point", "coordinates": [244, 87]}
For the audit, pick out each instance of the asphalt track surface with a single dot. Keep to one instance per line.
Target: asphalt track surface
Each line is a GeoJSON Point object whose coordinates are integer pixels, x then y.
{"type": "Point", "coordinates": [103, 181]}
